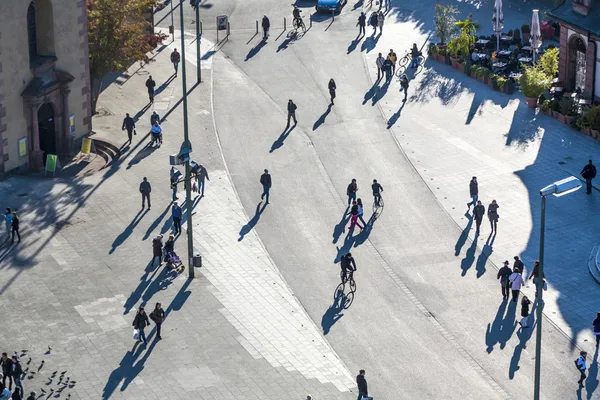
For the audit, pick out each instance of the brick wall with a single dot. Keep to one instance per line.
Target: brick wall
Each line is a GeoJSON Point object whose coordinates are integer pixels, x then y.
{"type": "Point", "coordinates": [564, 53]}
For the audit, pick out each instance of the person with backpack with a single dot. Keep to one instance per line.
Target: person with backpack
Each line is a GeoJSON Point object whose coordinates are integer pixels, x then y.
{"type": "Point", "coordinates": [581, 366]}
{"type": "Point", "coordinates": [175, 59]}
{"type": "Point", "coordinates": [158, 316]}
{"type": "Point", "coordinates": [362, 21]}
{"type": "Point", "coordinates": [503, 275]}
{"type": "Point", "coordinates": [588, 173]}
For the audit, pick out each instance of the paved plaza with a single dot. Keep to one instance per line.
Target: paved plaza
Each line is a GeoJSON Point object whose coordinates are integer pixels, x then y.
{"type": "Point", "coordinates": [264, 317]}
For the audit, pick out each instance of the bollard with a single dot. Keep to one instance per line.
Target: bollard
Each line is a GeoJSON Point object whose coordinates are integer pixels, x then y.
{"type": "Point", "coordinates": [257, 27]}
{"type": "Point", "coordinates": [310, 21]}
{"type": "Point", "coordinates": [201, 27]}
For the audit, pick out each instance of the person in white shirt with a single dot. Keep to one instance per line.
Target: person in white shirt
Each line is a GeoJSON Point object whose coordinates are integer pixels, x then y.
{"type": "Point", "coordinates": [516, 281]}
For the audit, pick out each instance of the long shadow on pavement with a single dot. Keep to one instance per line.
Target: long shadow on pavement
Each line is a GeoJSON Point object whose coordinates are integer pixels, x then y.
{"type": "Point", "coordinates": [250, 225]}
{"type": "Point", "coordinates": [381, 92]}
{"type": "Point", "coordinates": [321, 119]}
{"type": "Point", "coordinates": [394, 118]}
{"type": "Point", "coordinates": [591, 383]}
{"type": "Point", "coordinates": [128, 231]}
{"type": "Point", "coordinates": [154, 225]}
{"type": "Point", "coordinates": [354, 43]}
{"type": "Point", "coordinates": [370, 43]}
{"type": "Point", "coordinates": [371, 92]}
{"type": "Point", "coordinates": [469, 258]}
{"type": "Point", "coordinates": [524, 334]}
{"type": "Point", "coordinates": [334, 312]}
{"type": "Point", "coordinates": [254, 51]}
{"type": "Point", "coordinates": [279, 142]}
{"type": "Point", "coordinates": [464, 235]}
{"type": "Point", "coordinates": [503, 326]}
{"type": "Point", "coordinates": [145, 281]}
{"type": "Point", "coordinates": [340, 227]}
{"type": "Point", "coordinates": [486, 252]}
{"type": "Point", "coordinates": [363, 236]}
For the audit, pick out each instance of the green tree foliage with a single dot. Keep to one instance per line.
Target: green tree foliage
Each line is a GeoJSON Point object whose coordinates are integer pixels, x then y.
{"type": "Point", "coordinates": [549, 62]}
{"type": "Point", "coordinates": [445, 20]}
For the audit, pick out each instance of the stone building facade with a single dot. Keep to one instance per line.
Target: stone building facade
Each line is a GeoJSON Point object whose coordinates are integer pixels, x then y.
{"type": "Point", "coordinates": [45, 97]}
{"type": "Point", "coordinates": [579, 62]}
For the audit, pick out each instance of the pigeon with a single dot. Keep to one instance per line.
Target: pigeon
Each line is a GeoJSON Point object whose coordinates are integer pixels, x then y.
{"type": "Point", "coordinates": [43, 391]}
{"type": "Point", "coordinates": [64, 372]}
{"type": "Point", "coordinates": [54, 374]}
{"type": "Point", "coordinates": [29, 361]}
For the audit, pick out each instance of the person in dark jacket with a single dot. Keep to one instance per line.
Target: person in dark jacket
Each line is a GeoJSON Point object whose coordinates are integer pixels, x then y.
{"type": "Point", "coordinates": [158, 316]}
{"type": "Point", "coordinates": [478, 213]}
{"type": "Point", "coordinates": [387, 68]}
{"type": "Point", "coordinates": [15, 227]}
{"type": "Point", "coordinates": [518, 264]}
{"type": "Point", "coordinates": [169, 246]}
{"type": "Point", "coordinates": [361, 383]}
{"type": "Point", "coordinates": [266, 24]}
{"type": "Point", "coordinates": [404, 86]}
{"type": "Point", "coordinates": [265, 181]}
{"type": "Point", "coordinates": [150, 85]}
{"type": "Point", "coordinates": [175, 59]}
{"type": "Point", "coordinates": [588, 173]}
{"type": "Point", "coordinates": [493, 215]}
{"type": "Point", "coordinates": [373, 22]}
{"type": "Point", "coordinates": [176, 214]}
{"type": "Point", "coordinates": [129, 124]}
{"type": "Point", "coordinates": [596, 325]}
{"type": "Point", "coordinates": [415, 55]}
{"type": "Point", "coordinates": [16, 372]}
{"type": "Point", "coordinates": [6, 370]}
{"type": "Point", "coordinates": [201, 178]}
{"type": "Point", "coordinates": [332, 87]}
{"type": "Point", "coordinates": [362, 22]}
{"type": "Point", "coordinates": [154, 118]}
{"type": "Point", "coordinates": [503, 275]}
{"type": "Point", "coordinates": [291, 109]}
{"type": "Point", "coordinates": [347, 264]}
{"type": "Point", "coordinates": [351, 191]}
{"type": "Point", "coordinates": [377, 189]}
{"type": "Point", "coordinates": [140, 322]}
{"type": "Point", "coordinates": [473, 191]}
{"type": "Point", "coordinates": [32, 396]}
{"type": "Point", "coordinates": [534, 274]}
{"type": "Point", "coordinates": [157, 249]}
{"type": "Point", "coordinates": [145, 190]}
{"type": "Point", "coordinates": [17, 394]}
{"type": "Point", "coordinates": [354, 217]}
{"type": "Point", "coordinates": [525, 303]}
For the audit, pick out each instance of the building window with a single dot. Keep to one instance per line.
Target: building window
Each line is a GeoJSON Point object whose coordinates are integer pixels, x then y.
{"type": "Point", "coordinates": [31, 30]}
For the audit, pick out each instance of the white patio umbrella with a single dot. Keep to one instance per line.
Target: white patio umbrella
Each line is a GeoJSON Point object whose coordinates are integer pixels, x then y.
{"type": "Point", "coordinates": [536, 34]}
{"type": "Point", "coordinates": [498, 21]}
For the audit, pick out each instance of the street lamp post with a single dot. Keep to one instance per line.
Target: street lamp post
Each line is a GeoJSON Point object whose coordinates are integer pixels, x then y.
{"type": "Point", "coordinates": [172, 23]}
{"type": "Point", "coordinates": [187, 145]}
{"type": "Point", "coordinates": [559, 188]}
{"type": "Point", "coordinates": [198, 38]}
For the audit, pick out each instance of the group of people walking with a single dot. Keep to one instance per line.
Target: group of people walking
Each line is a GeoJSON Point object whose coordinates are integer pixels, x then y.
{"type": "Point", "coordinates": [141, 321]}
{"type": "Point", "coordinates": [12, 372]}
{"type": "Point", "coordinates": [479, 209]}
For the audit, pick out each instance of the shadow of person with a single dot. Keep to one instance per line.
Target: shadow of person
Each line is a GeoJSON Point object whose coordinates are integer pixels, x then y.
{"type": "Point", "coordinates": [469, 258]}
{"type": "Point", "coordinates": [524, 334]}
{"type": "Point", "coordinates": [482, 260]}
{"type": "Point", "coordinates": [357, 5]}
{"type": "Point", "coordinates": [354, 43]}
{"type": "Point", "coordinates": [381, 92]}
{"type": "Point", "coordinates": [394, 118]}
{"type": "Point", "coordinates": [348, 242]}
{"type": "Point", "coordinates": [250, 225]}
{"type": "Point", "coordinates": [279, 142]}
{"type": "Point", "coordinates": [141, 154]}
{"type": "Point", "coordinates": [464, 235]}
{"type": "Point", "coordinates": [164, 85]}
{"type": "Point", "coordinates": [363, 236]}
{"type": "Point", "coordinates": [370, 43]}
{"type": "Point", "coordinates": [340, 227]}
{"type": "Point", "coordinates": [493, 331]}
{"type": "Point", "coordinates": [333, 313]}
{"type": "Point", "coordinates": [321, 119]}
{"type": "Point", "coordinates": [254, 51]}
{"type": "Point", "coordinates": [285, 43]}
{"type": "Point", "coordinates": [591, 383]}
{"type": "Point", "coordinates": [371, 92]}
{"type": "Point", "coordinates": [128, 230]}
{"type": "Point", "coordinates": [156, 222]}
{"type": "Point", "coordinates": [145, 281]}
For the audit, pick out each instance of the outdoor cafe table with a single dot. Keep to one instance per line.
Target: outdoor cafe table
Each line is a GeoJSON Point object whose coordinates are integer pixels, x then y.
{"type": "Point", "coordinates": [482, 41]}
{"type": "Point", "coordinates": [499, 65]}
{"type": "Point", "coordinates": [514, 75]}
{"type": "Point", "coordinates": [526, 48]}
{"type": "Point", "coordinates": [525, 60]}
{"type": "Point", "coordinates": [504, 53]}
{"type": "Point", "coordinates": [506, 38]}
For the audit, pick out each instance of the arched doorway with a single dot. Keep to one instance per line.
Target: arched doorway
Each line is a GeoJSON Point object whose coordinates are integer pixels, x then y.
{"type": "Point", "coordinates": [577, 64]}
{"type": "Point", "coordinates": [47, 130]}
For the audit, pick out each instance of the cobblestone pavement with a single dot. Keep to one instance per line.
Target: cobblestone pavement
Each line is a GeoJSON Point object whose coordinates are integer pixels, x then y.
{"type": "Point", "coordinates": [70, 290]}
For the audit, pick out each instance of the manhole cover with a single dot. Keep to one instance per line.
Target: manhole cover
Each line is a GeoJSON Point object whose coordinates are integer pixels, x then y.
{"type": "Point", "coordinates": [103, 112]}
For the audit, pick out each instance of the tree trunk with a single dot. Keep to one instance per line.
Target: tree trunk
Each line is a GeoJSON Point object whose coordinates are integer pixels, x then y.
{"type": "Point", "coordinates": [96, 90]}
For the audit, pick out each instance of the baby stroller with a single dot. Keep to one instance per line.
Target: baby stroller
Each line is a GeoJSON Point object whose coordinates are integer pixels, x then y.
{"type": "Point", "coordinates": [173, 261]}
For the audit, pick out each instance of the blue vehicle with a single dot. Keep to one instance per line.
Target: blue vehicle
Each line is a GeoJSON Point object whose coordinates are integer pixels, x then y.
{"type": "Point", "coordinates": [330, 5]}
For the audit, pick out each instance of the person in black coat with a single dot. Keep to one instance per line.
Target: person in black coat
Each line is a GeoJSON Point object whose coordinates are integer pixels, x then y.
{"type": "Point", "coordinates": [266, 24]}
{"type": "Point", "coordinates": [6, 370]}
{"type": "Point", "coordinates": [332, 88]}
{"type": "Point", "coordinates": [17, 394]}
{"type": "Point", "coordinates": [525, 303]}
{"type": "Point", "coordinates": [15, 227]}
{"type": "Point", "coordinates": [351, 191]}
{"type": "Point", "coordinates": [140, 322]}
{"type": "Point", "coordinates": [473, 191]}
{"type": "Point", "coordinates": [362, 22]}
{"type": "Point", "coordinates": [596, 325]}
{"type": "Point", "coordinates": [158, 316]}
{"type": "Point", "coordinates": [373, 22]}
{"type": "Point", "coordinates": [503, 275]}
{"type": "Point", "coordinates": [129, 124]}
{"type": "Point", "coordinates": [478, 213]}
{"type": "Point", "coordinates": [291, 108]}
{"type": "Point", "coordinates": [588, 173]}
{"type": "Point", "coordinates": [16, 372]}
{"type": "Point", "coordinates": [150, 85]}
{"type": "Point", "coordinates": [265, 181]}
{"type": "Point", "coordinates": [361, 382]}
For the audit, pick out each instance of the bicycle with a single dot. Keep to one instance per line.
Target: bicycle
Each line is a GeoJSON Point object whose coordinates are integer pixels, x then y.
{"type": "Point", "coordinates": [404, 62]}
{"type": "Point", "coordinates": [377, 206]}
{"type": "Point", "coordinates": [349, 278]}
{"type": "Point", "coordinates": [299, 23]}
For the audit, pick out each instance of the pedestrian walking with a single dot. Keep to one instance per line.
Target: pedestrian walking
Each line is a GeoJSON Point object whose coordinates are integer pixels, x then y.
{"type": "Point", "coordinates": [145, 190]}
{"type": "Point", "coordinates": [380, 19]}
{"type": "Point", "coordinates": [581, 365]}
{"type": "Point", "coordinates": [150, 84]}
{"type": "Point", "coordinates": [265, 181]}
{"type": "Point", "coordinates": [176, 214]}
{"type": "Point", "coordinates": [15, 227]}
{"type": "Point", "coordinates": [393, 58]}
{"type": "Point", "coordinates": [404, 86]}
{"type": "Point", "coordinates": [379, 61]}
{"type": "Point", "coordinates": [373, 22]}
{"type": "Point", "coordinates": [493, 215]}
{"type": "Point", "coordinates": [6, 371]}
{"type": "Point", "coordinates": [175, 59]}
{"type": "Point", "coordinates": [360, 211]}
{"type": "Point", "coordinates": [154, 118]}
{"type": "Point", "coordinates": [157, 246]}
{"type": "Point", "coordinates": [362, 21]}
{"type": "Point", "coordinates": [377, 189]}
{"type": "Point", "coordinates": [158, 316]}
{"type": "Point", "coordinates": [387, 68]}
{"type": "Point", "coordinates": [201, 178]}
{"type": "Point", "coordinates": [518, 264]}
{"type": "Point", "coordinates": [525, 303]}
{"type": "Point", "coordinates": [291, 108]}
{"type": "Point", "coordinates": [588, 173]}
{"type": "Point", "coordinates": [174, 187]}
{"type": "Point", "coordinates": [596, 326]}
{"type": "Point", "coordinates": [351, 191]}
{"type": "Point", "coordinates": [129, 124]}
{"type": "Point", "coordinates": [361, 383]}
{"type": "Point", "coordinates": [266, 24]}
{"type": "Point", "coordinates": [503, 274]}
{"type": "Point", "coordinates": [332, 87]}
{"type": "Point", "coordinates": [516, 281]}
{"type": "Point", "coordinates": [478, 213]}
{"type": "Point", "coordinates": [473, 191]}
{"type": "Point", "coordinates": [535, 274]}
{"type": "Point", "coordinates": [8, 217]}
{"type": "Point", "coordinates": [140, 322]}
{"type": "Point", "coordinates": [17, 371]}
{"type": "Point", "coordinates": [354, 217]}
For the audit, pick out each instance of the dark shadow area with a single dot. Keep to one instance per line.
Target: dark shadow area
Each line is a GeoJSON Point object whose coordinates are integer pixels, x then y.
{"type": "Point", "coordinates": [156, 222]}
{"type": "Point", "coordinates": [164, 85]}
{"type": "Point", "coordinates": [254, 51]}
{"type": "Point", "coordinates": [250, 225]}
{"type": "Point", "coordinates": [486, 252]}
{"type": "Point", "coordinates": [208, 55]}
{"type": "Point", "coordinates": [145, 280]}
{"type": "Point", "coordinates": [500, 331]}
{"type": "Point", "coordinates": [162, 282]}
{"type": "Point", "coordinates": [381, 92]}
{"type": "Point", "coordinates": [279, 142]}
{"type": "Point", "coordinates": [340, 227]}
{"type": "Point", "coordinates": [371, 93]}
{"type": "Point", "coordinates": [469, 258]}
{"type": "Point", "coordinates": [142, 111]}
{"type": "Point", "coordinates": [334, 312]}
{"type": "Point", "coordinates": [354, 43]}
{"type": "Point", "coordinates": [476, 104]}
{"type": "Point", "coordinates": [144, 152]}
{"type": "Point", "coordinates": [284, 45]}
{"type": "Point", "coordinates": [524, 334]}
{"type": "Point", "coordinates": [346, 247]}
{"type": "Point", "coordinates": [162, 6]}
{"type": "Point", "coordinates": [591, 382]}
{"type": "Point", "coordinates": [128, 230]}
{"type": "Point", "coordinates": [357, 5]}
{"type": "Point", "coordinates": [394, 118]}
{"type": "Point", "coordinates": [464, 235]}
{"type": "Point", "coordinates": [321, 119]}
{"type": "Point", "coordinates": [370, 43]}
{"type": "Point", "coordinates": [363, 236]}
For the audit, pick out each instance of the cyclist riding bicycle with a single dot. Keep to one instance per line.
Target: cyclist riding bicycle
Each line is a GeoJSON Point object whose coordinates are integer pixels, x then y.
{"type": "Point", "coordinates": [296, 14]}
{"type": "Point", "coordinates": [416, 56]}
{"type": "Point", "coordinates": [348, 265]}
{"type": "Point", "coordinates": [377, 189]}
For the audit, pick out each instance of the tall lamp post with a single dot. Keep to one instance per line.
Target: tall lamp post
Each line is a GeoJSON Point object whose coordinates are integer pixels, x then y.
{"type": "Point", "coordinates": [559, 188]}
{"type": "Point", "coordinates": [198, 39]}
{"type": "Point", "coordinates": [186, 145]}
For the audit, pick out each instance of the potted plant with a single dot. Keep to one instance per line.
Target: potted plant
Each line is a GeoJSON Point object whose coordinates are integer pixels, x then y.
{"type": "Point", "coordinates": [533, 83]}
{"type": "Point", "coordinates": [545, 107]}
{"type": "Point", "coordinates": [459, 46]}
{"type": "Point", "coordinates": [593, 116]}
{"type": "Point", "coordinates": [445, 20]}
{"type": "Point", "coordinates": [568, 108]}
{"type": "Point", "coordinates": [583, 123]}
{"type": "Point", "coordinates": [525, 30]}
{"type": "Point", "coordinates": [548, 62]}
{"type": "Point", "coordinates": [492, 80]}
{"type": "Point", "coordinates": [554, 108]}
